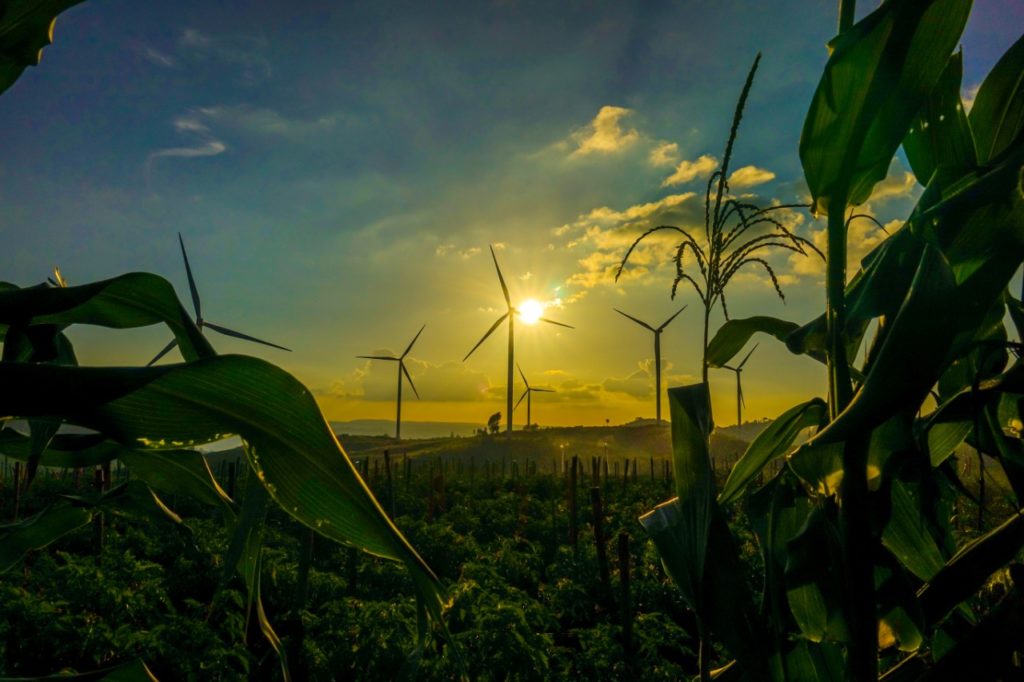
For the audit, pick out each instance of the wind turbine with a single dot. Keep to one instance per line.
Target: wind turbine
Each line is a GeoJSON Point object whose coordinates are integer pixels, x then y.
{"type": "Point", "coordinates": [657, 353]}
{"type": "Point", "coordinates": [528, 394]}
{"type": "Point", "coordinates": [200, 322]}
{"type": "Point", "coordinates": [401, 370]}
{"type": "Point", "coordinates": [510, 314]}
{"type": "Point", "coordinates": [740, 403]}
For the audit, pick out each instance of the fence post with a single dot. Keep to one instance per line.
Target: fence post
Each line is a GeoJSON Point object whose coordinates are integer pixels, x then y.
{"type": "Point", "coordinates": [625, 597]}
{"type": "Point", "coordinates": [602, 549]}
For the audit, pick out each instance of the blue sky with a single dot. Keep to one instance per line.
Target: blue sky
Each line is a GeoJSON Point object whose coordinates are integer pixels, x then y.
{"type": "Point", "coordinates": [339, 169]}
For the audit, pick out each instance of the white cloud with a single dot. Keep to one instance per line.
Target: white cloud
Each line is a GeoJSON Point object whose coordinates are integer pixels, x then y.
{"type": "Point", "coordinates": [203, 142]}
{"type": "Point", "coordinates": [970, 93]}
{"type": "Point", "coordinates": [687, 171]}
{"type": "Point", "coordinates": [244, 52]}
{"type": "Point", "coordinates": [155, 56]}
{"type": "Point", "coordinates": [663, 154]}
{"type": "Point", "coordinates": [749, 176]}
{"type": "Point", "coordinates": [262, 121]}
{"type": "Point", "coordinates": [605, 134]}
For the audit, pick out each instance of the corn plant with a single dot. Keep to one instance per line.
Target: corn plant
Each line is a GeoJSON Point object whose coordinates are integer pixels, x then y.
{"type": "Point", "coordinates": [862, 571]}
{"type": "Point", "coordinates": [150, 418]}
{"type": "Point", "coordinates": [736, 236]}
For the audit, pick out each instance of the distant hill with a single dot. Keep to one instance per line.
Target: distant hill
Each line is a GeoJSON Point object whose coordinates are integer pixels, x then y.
{"type": "Point", "coordinates": [386, 427]}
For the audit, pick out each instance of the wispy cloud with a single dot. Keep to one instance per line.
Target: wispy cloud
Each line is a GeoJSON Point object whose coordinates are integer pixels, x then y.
{"type": "Point", "coordinates": [663, 154]}
{"type": "Point", "coordinates": [749, 176]}
{"type": "Point", "coordinates": [446, 381]}
{"type": "Point", "coordinates": [688, 171]}
{"type": "Point", "coordinates": [246, 53]}
{"type": "Point", "coordinates": [202, 143]}
{"type": "Point", "coordinates": [639, 384]}
{"type": "Point", "coordinates": [263, 121]}
{"type": "Point", "coordinates": [605, 134]}
{"type": "Point", "coordinates": [155, 56]}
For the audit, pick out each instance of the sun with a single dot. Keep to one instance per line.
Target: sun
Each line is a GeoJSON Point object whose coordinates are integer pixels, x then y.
{"type": "Point", "coordinates": [530, 311]}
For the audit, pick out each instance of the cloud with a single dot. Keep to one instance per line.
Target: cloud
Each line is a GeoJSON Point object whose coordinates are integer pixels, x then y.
{"type": "Point", "coordinates": [243, 52]}
{"type": "Point", "coordinates": [155, 56]}
{"type": "Point", "coordinates": [377, 381]}
{"type": "Point", "coordinates": [203, 142]}
{"type": "Point", "coordinates": [263, 121]}
{"type": "Point", "coordinates": [897, 184]}
{"type": "Point", "coordinates": [605, 134]}
{"type": "Point", "coordinates": [640, 383]}
{"type": "Point", "coordinates": [970, 93]}
{"type": "Point", "coordinates": [687, 171]}
{"type": "Point", "coordinates": [749, 176]}
{"type": "Point", "coordinates": [663, 154]}
{"type": "Point", "coordinates": [450, 249]}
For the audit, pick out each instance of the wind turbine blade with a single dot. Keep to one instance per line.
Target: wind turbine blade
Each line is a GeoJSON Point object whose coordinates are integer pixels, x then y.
{"type": "Point", "coordinates": [743, 401]}
{"type": "Point", "coordinates": [191, 281]}
{"type": "Point", "coordinates": [239, 335]}
{"type": "Point", "coordinates": [544, 319]}
{"type": "Point", "coordinates": [504, 289]}
{"type": "Point", "coordinates": [409, 379]}
{"type": "Point", "coordinates": [666, 323]}
{"type": "Point", "coordinates": [489, 332]}
{"type": "Point", "coordinates": [523, 375]}
{"type": "Point", "coordinates": [409, 347]}
{"type": "Point", "coordinates": [740, 366]}
{"type": "Point", "coordinates": [525, 393]}
{"type": "Point", "coordinates": [543, 390]}
{"type": "Point", "coordinates": [377, 357]}
{"type": "Point", "coordinates": [730, 368]}
{"type": "Point", "coordinates": [639, 322]}
{"type": "Point", "coordinates": [167, 349]}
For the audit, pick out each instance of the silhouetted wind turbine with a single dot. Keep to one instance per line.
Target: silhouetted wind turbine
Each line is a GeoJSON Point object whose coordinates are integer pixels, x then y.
{"type": "Point", "coordinates": [200, 322]}
{"type": "Point", "coordinates": [510, 315]}
{"type": "Point", "coordinates": [401, 370]}
{"type": "Point", "coordinates": [740, 403]}
{"type": "Point", "coordinates": [528, 393]}
{"type": "Point", "coordinates": [657, 353]}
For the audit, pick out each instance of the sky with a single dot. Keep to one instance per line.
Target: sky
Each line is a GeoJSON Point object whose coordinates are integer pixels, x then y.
{"type": "Point", "coordinates": [338, 171]}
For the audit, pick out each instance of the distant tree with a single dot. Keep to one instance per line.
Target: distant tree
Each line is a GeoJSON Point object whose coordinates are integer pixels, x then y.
{"type": "Point", "coordinates": [494, 423]}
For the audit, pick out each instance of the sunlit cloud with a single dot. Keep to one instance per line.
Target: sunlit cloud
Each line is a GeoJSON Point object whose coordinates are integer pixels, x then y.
{"type": "Point", "coordinates": [749, 176]}
{"type": "Point", "coordinates": [155, 56]}
{"type": "Point", "coordinates": [639, 384]}
{"type": "Point", "coordinates": [442, 382]}
{"type": "Point", "coordinates": [970, 94]}
{"type": "Point", "coordinates": [204, 143]}
{"type": "Point", "coordinates": [688, 171]}
{"type": "Point", "coordinates": [605, 134]}
{"type": "Point", "coordinates": [663, 154]}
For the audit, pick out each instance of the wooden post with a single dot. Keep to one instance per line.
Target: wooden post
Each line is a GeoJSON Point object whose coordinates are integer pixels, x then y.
{"type": "Point", "coordinates": [573, 530]}
{"type": "Point", "coordinates": [625, 597]}
{"type": "Point", "coordinates": [16, 480]}
{"type": "Point", "coordinates": [605, 465]}
{"type": "Point", "coordinates": [599, 542]}
{"type": "Point", "coordinates": [391, 490]}
{"type": "Point", "coordinates": [636, 469]}
{"type": "Point", "coordinates": [652, 468]}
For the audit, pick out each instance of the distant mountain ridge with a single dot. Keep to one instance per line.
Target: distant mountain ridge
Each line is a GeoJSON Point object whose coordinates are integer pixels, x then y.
{"type": "Point", "coordinates": [410, 429]}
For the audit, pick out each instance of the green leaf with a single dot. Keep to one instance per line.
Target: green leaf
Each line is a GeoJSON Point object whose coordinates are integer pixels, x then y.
{"type": "Point", "coordinates": [940, 134]}
{"type": "Point", "coordinates": [997, 116]}
{"type": "Point", "coordinates": [734, 335]}
{"type": "Point", "coordinates": [132, 671]}
{"type": "Point", "coordinates": [913, 347]}
{"type": "Point", "coordinates": [65, 450]}
{"type": "Point", "coordinates": [39, 531]}
{"type": "Point", "coordinates": [907, 536]}
{"type": "Point", "coordinates": [26, 27]}
{"type": "Point", "coordinates": [775, 441]}
{"type": "Point", "coordinates": [180, 472]}
{"type": "Point", "coordinates": [967, 571]}
{"type": "Point", "coordinates": [813, 580]}
{"type": "Point", "coordinates": [288, 442]}
{"type": "Point", "coordinates": [877, 77]}
{"type": "Point", "coordinates": [694, 540]}
{"type": "Point", "coordinates": [900, 622]}
{"type": "Point", "coordinates": [136, 299]}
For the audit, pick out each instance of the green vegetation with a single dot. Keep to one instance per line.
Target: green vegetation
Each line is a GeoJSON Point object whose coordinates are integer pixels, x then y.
{"type": "Point", "coordinates": [841, 556]}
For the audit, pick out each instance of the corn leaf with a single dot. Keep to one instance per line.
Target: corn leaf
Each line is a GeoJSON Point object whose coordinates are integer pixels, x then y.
{"type": "Point", "coordinates": [940, 134]}
{"type": "Point", "coordinates": [39, 531]}
{"type": "Point", "coordinates": [732, 336]}
{"type": "Point", "coordinates": [26, 27]}
{"type": "Point", "coordinates": [287, 441]}
{"type": "Point", "coordinates": [997, 117]}
{"type": "Point", "coordinates": [775, 441]}
{"type": "Point", "coordinates": [876, 79]}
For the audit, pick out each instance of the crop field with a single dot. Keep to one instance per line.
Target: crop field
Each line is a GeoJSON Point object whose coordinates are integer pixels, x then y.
{"type": "Point", "coordinates": [864, 523]}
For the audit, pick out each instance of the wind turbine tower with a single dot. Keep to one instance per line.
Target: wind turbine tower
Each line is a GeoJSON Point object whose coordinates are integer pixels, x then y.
{"type": "Point", "coordinates": [402, 371]}
{"type": "Point", "coordinates": [657, 353]}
